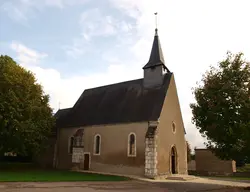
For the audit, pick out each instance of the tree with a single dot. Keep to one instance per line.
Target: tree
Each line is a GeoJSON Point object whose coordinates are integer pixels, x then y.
{"type": "Point", "coordinates": [222, 109]}
{"type": "Point", "coordinates": [26, 119]}
{"type": "Point", "coordinates": [189, 155]}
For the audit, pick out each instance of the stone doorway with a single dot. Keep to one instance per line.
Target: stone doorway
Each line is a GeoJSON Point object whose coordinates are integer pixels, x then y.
{"type": "Point", "coordinates": [173, 160]}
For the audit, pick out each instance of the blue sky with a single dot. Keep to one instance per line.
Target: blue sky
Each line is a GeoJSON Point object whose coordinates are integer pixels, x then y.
{"type": "Point", "coordinates": [71, 45]}
{"type": "Point", "coordinates": [73, 30]}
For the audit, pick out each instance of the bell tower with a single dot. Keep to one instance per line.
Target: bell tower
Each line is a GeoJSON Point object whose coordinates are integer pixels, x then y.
{"type": "Point", "coordinates": [155, 69]}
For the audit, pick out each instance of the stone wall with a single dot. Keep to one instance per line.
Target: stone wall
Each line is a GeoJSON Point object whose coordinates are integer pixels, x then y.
{"type": "Point", "coordinates": [77, 155]}
{"type": "Point", "coordinates": [151, 157]}
{"type": "Point", "coordinates": [208, 164]}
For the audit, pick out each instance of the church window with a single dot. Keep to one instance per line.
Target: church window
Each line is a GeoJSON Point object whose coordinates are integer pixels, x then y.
{"type": "Point", "coordinates": [132, 145]}
{"type": "Point", "coordinates": [71, 144]}
{"type": "Point", "coordinates": [97, 145]}
{"type": "Point", "coordinates": [173, 127]}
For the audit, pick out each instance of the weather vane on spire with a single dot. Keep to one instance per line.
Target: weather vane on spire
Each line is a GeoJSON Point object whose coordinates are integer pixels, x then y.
{"type": "Point", "coordinates": [155, 20]}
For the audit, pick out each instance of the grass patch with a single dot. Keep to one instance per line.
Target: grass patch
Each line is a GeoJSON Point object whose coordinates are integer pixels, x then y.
{"type": "Point", "coordinates": [245, 168]}
{"type": "Point", "coordinates": [55, 176]}
{"type": "Point", "coordinates": [239, 178]}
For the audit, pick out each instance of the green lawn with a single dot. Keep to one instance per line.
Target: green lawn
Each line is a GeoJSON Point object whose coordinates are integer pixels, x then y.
{"type": "Point", "coordinates": [53, 176]}
{"type": "Point", "coordinates": [246, 168]}
{"type": "Point", "coordinates": [240, 178]}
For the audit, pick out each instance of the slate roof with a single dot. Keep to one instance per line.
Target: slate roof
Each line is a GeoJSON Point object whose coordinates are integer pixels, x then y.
{"type": "Point", "coordinates": [156, 56]}
{"type": "Point", "coordinates": [61, 113]}
{"type": "Point", "coordinates": [117, 103]}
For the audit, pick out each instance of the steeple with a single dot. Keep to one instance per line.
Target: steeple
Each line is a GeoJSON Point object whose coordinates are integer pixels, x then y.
{"type": "Point", "coordinates": [156, 56]}
{"type": "Point", "coordinates": [155, 70]}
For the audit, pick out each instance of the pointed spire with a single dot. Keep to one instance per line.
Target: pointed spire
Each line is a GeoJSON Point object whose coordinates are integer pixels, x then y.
{"type": "Point", "coordinates": [156, 56]}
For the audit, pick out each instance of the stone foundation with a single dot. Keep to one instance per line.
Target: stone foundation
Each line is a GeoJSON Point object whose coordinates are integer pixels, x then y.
{"type": "Point", "coordinates": [117, 169]}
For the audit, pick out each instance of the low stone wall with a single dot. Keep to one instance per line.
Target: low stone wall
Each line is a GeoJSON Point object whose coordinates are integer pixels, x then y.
{"type": "Point", "coordinates": [208, 164]}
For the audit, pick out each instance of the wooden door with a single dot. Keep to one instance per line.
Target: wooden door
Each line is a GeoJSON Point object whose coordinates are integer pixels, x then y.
{"type": "Point", "coordinates": [173, 160]}
{"type": "Point", "coordinates": [86, 161]}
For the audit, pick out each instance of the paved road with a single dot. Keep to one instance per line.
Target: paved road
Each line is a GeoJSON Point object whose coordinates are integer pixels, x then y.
{"type": "Point", "coordinates": [228, 179]}
{"type": "Point", "coordinates": [130, 186]}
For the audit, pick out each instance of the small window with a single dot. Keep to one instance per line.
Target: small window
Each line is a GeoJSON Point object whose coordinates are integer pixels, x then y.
{"type": "Point", "coordinates": [71, 144]}
{"type": "Point", "coordinates": [173, 127]}
{"type": "Point", "coordinates": [97, 145]}
{"type": "Point", "coordinates": [132, 145]}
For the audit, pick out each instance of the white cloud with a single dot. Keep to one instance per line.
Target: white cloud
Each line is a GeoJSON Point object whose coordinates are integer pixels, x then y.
{"type": "Point", "coordinates": [26, 56]}
{"type": "Point", "coordinates": [67, 90]}
{"type": "Point", "coordinates": [21, 10]}
{"type": "Point", "coordinates": [13, 12]}
{"type": "Point", "coordinates": [78, 47]}
{"type": "Point", "coordinates": [94, 22]}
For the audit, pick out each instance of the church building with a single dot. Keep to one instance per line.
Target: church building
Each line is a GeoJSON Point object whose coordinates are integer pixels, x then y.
{"type": "Point", "coordinates": [133, 127]}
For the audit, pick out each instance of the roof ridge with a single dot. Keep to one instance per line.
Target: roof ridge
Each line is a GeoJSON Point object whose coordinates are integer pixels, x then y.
{"type": "Point", "coordinates": [65, 108]}
{"type": "Point", "coordinates": [103, 86]}
{"type": "Point", "coordinates": [123, 82]}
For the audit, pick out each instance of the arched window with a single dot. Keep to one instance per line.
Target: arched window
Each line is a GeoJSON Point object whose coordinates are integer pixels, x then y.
{"type": "Point", "coordinates": [97, 145]}
{"type": "Point", "coordinates": [79, 138]}
{"type": "Point", "coordinates": [173, 127]}
{"type": "Point", "coordinates": [71, 144]}
{"type": "Point", "coordinates": [132, 145]}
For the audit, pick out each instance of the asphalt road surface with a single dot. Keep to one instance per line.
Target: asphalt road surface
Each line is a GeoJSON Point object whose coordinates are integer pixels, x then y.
{"type": "Point", "coordinates": [128, 186]}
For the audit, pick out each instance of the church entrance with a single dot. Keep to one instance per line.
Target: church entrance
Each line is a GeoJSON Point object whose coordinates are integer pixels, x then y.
{"type": "Point", "coordinates": [173, 160]}
{"type": "Point", "coordinates": [86, 161]}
